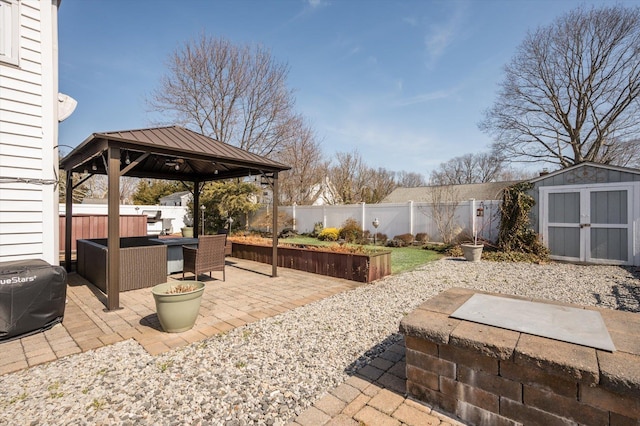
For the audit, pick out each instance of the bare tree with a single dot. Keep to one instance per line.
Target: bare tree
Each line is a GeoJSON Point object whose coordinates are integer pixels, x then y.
{"type": "Point", "coordinates": [98, 187]}
{"type": "Point", "coordinates": [469, 168]}
{"type": "Point", "coordinates": [346, 177]}
{"type": "Point", "coordinates": [234, 94]}
{"type": "Point", "coordinates": [378, 184]}
{"type": "Point", "coordinates": [410, 180]}
{"type": "Point", "coordinates": [304, 182]}
{"type": "Point", "coordinates": [444, 203]}
{"type": "Point", "coordinates": [571, 93]}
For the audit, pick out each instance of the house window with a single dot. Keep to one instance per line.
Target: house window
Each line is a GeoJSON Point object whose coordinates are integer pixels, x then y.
{"type": "Point", "coordinates": [9, 31]}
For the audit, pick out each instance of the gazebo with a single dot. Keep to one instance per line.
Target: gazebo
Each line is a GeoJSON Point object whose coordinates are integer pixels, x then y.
{"type": "Point", "coordinates": [172, 153]}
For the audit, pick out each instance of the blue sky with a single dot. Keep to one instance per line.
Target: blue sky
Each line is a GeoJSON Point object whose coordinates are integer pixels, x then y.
{"type": "Point", "coordinates": [403, 82]}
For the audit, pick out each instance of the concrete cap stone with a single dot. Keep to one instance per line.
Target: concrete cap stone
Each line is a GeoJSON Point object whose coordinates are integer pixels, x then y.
{"type": "Point", "coordinates": [447, 301]}
{"type": "Point", "coordinates": [432, 326]}
{"type": "Point", "coordinates": [619, 372]}
{"type": "Point", "coordinates": [559, 358]}
{"type": "Point", "coordinates": [490, 341]}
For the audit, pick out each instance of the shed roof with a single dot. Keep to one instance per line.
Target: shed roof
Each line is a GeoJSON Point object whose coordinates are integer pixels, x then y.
{"type": "Point", "coordinates": [576, 168]}
{"type": "Point", "coordinates": [478, 191]}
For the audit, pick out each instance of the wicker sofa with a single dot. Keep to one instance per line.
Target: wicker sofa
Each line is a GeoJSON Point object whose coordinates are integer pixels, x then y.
{"type": "Point", "coordinates": [143, 263]}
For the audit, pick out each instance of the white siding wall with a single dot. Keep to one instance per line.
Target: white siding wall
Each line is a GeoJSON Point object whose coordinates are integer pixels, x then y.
{"type": "Point", "coordinates": [28, 137]}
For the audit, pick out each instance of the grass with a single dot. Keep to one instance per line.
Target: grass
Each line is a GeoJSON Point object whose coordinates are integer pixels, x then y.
{"type": "Point", "coordinates": [403, 259]}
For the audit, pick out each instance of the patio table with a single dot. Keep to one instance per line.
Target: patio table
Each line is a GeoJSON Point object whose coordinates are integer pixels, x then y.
{"type": "Point", "coordinates": [174, 251]}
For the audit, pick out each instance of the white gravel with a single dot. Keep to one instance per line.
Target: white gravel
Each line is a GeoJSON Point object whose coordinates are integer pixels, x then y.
{"type": "Point", "coordinates": [269, 371]}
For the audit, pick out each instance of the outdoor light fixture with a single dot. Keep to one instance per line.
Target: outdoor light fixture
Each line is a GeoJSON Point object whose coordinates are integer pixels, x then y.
{"type": "Point", "coordinates": [175, 163]}
{"type": "Point", "coordinates": [375, 224]}
{"type": "Point", "coordinates": [202, 209]}
{"type": "Point", "coordinates": [230, 221]}
{"type": "Point", "coordinates": [127, 160]}
{"type": "Point", "coordinates": [93, 166]}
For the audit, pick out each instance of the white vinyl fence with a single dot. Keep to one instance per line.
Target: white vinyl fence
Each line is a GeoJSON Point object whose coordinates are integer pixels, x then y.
{"type": "Point", "coordinates": [401, 218]}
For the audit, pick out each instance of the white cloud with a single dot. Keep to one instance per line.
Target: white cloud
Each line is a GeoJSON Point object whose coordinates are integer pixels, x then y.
{"type": "Point", "coordinates": [411, 21]}
{"type": "Point", "coordinates": [317, 3]}
{"type": "Point", "coordinates": [440, 36]}
{"type": "Point", "coordinates": [426, 97]}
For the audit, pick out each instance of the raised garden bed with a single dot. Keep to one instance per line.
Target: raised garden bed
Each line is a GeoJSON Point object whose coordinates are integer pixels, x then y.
{"type": "Point", "coordinates": [361, 267]}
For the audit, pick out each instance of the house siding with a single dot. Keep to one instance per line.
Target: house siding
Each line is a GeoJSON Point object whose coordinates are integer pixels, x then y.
{"type": "Point", "coordinates": [28, 139]}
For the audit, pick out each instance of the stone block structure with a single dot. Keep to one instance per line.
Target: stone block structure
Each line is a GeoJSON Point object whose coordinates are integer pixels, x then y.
{"type": "Point", "coordinates": [491, 376]}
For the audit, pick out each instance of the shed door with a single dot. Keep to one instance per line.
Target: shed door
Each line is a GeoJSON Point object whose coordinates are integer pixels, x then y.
{"type": "Point", "coordinates": [589, 224]}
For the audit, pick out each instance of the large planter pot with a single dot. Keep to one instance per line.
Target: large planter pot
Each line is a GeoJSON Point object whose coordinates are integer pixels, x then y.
{"type": "Point", "coordinates": [187, 232]}
{"type": "Point", "coordinates": [472, 252]}
{"type": "Point", "coordinates": [177, 312]}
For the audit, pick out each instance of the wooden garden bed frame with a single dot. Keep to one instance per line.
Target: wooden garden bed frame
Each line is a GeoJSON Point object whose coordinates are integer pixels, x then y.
{"type": "Point", "coordinates": [350, 266]}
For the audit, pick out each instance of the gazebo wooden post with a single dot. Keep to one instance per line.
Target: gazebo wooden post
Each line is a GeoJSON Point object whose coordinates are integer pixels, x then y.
{"type": "Point", "coordinates": [196, 208]}
{"type": "Point", "coordinates": [274, 263]}
{"type": "Point", "coordinates": [68, 220]}
{"type": "Point", "coordinates": [113, 231]}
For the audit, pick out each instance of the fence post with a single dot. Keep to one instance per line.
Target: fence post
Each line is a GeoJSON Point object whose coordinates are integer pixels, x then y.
{"type": "Point", "coordinates": [411, 217]}
{"type": "Point", "coordinates": [324, 216]}
{"type": "Point", "coordinates": [472, 216]}
{"type": "Point", "coordinates": [363, 215]}
{"type": "Point", "coordinates": [293, 213]}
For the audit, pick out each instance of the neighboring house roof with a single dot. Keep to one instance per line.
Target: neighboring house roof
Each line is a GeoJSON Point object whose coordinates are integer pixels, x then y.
{"type": "Point", "coordinates": [478, 191]}
{"type": "Point", "coordinates": [176, 196]}
{"type": "Point", "coordinates": [87, 200]}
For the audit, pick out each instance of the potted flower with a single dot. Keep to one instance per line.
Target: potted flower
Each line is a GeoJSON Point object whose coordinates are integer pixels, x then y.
{"type": "Point", "coordinates": [473, 252]}
{"type": "Point", "coordinates": [187, 230]}
{"type": "Point", "coordinates": [178, 304]}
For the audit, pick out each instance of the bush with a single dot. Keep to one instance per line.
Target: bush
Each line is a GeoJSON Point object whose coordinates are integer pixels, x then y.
{"type": "Point", "coordinates": [438, 247]}
{"type": "Point", "coordinates": [422, 237]}
{"type": "Point", "coordinates": [351, 231]}
{"type": "Point", "coordinates": [317, 229]}
{"type": "Point", "coordinates": [329, 234]}
{"type": "Point", "coordinates": [395, 243]}
{"type": "Point", "coordinates": [407, 239]}
{"type": "Point", "coordinates": [381, 238]}
{"type": "Point", "coordinates": [288, 233]}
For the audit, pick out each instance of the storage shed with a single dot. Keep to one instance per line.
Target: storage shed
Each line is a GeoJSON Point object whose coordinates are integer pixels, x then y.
{"type": "Point", "coordinates": [589, 213]}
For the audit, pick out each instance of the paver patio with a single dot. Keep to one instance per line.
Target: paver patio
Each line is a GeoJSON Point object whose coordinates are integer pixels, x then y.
{"type": "Point", "coordinates": [375, 395]}
{"type": "Point", "coordinates": [248, 295]}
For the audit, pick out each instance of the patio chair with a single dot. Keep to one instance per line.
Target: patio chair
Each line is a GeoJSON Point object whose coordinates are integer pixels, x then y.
{"type": "Point", "coordinates": [208, 257]}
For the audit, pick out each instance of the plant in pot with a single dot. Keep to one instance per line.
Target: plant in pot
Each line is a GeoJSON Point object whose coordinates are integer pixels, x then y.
{"type": "Point", "coordinates": [473, 252]}
{"type": "Point", "coordinates": [187, 230]}
{"type": "Point", "coordinates": [178, 304]}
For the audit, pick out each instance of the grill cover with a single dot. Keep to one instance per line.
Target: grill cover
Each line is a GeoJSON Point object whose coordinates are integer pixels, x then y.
{"type": "Point", "coordinates": [32, 297]}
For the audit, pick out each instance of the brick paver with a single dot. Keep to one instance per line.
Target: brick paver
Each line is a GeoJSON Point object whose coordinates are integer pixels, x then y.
{"type": "Point", "coordinates": [375, 395]}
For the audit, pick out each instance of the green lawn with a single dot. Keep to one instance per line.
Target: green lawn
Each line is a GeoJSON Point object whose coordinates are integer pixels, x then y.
{"type": "Point", "coordinates": [403, 259]}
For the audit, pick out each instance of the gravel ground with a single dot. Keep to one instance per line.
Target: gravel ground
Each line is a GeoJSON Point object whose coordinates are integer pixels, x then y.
{"type": "Point", "coordinates": [269, 371]}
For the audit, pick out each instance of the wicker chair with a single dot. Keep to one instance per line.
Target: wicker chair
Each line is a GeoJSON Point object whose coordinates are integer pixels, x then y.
{"type": "Point", "coordinates": [209, 256]}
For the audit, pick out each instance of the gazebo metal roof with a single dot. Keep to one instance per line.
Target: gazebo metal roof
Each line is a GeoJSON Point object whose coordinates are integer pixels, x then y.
{"type": "Point", "coordinates": [172, 153]}
{"type": "Point", "coordinates": [157, 151]}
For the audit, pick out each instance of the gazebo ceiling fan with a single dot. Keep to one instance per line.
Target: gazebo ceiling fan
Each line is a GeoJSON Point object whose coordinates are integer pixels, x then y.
{"type": "Point", "coordinates": [176, 163]}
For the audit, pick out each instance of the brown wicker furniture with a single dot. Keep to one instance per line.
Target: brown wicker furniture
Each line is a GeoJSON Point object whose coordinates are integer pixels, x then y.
{"type": "Point", "coordinates": [143, 263]}
{"type": "Point", "coordinates": [208, 257]}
